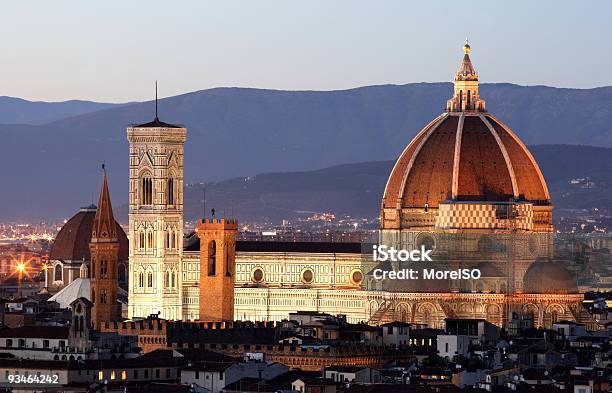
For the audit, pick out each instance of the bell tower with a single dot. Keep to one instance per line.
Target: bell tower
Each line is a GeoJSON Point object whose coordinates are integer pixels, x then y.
{"type": "Point", "coordinates": [104, 250]}
{"type": "Point", "coordinates": [217, 268]}
{"type": "Point", "coordinates": [156, 219]}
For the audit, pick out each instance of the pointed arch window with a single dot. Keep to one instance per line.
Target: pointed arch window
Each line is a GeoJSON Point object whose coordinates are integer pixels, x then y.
{"type": "Point", "coordinates": [57, 273]}
{"type": "Point", "coordinates": [141, 279]}
{"type": "Point", "coordinates": [228, 268]}
{"type": "Point", "coordinates": [212, 258]}
{"type": "Point", "coordinates": [150, 240]}
{"type": "Point", "coordinates": [167, 279]}
{"type": "Point", "coordinates": [146, 189]}
{"type": "Point", "coordinates": [141, 240]}
{"type": "Point", "coordinates": [150, 279]}
{"type": "Point", "coordinates": [174, 283]}
{"type": "Point", "coordinates": [104, 269]}
{"type": "Point", "coordinates": [170, 200]}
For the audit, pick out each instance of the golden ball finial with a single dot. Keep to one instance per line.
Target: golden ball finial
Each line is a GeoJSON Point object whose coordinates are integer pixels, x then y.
{"type": "Point", "coordinates": [466, 47]}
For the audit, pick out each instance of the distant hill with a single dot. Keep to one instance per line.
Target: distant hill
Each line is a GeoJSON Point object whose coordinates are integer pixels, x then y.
{"type": "Point", "coordinates": [51, 169]}
{"type": "Point", "coordinates": [356, 189]}
{"type": "Point", "coordinates": [19, 111]}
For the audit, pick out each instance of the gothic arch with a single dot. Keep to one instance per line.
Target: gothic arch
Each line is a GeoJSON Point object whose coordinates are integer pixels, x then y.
{"type": "Point", "coordinates": [402, 312]}
{"type": "Point", "coordinates": [427, 314]}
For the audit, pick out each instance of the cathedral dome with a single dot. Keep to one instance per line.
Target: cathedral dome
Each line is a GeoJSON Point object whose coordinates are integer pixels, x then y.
{"type": "Point", "coordinates": [464, 155]}
{"type": "Point", "coordinates": [545, 276]}
{"type": "Point", "coordinates": [72, 241]}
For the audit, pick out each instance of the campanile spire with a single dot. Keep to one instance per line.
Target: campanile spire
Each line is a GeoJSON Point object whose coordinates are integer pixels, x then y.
{"type": "Point", "coordinates": [104, 250]}
{"type": "Point", "coordinates": [104, 228]}
{"type": "Point", "coordinates": [465, 97]}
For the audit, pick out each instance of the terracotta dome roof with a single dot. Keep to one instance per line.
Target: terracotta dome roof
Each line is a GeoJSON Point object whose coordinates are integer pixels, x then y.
{"type": "Point", "coordinates": [72, 241]}
{"type": "Point", "coordinates": [464, 156]}
{"type": "Point", "coordinates": [545, 276]}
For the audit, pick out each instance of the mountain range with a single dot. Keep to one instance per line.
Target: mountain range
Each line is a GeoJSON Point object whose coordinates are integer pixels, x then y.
{"type": "Point", "coordinates": [356, 189]}
{"type": "Point", "coordinates": [51, 169]}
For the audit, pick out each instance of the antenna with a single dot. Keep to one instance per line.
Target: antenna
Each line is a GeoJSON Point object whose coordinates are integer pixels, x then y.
{"type": "Point", "coordinates": [156, 100]}
{"type": "Point", "coordinates": [204, 201]}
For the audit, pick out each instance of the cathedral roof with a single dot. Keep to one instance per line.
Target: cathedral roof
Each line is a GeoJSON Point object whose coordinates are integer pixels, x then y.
{"type": "Point", "coordinates": [72, 241]}
{"type": "Point", "coordinates": [192, 243]}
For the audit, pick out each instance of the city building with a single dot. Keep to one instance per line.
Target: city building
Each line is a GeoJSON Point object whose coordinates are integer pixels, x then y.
{"type": "Point", "coordinates": [466, 188]}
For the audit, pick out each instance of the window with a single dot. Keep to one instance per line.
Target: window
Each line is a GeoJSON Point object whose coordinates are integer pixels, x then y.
{"type": "Point", "coordinates": [173, 276]}
{"type": "Point", "coordinates": [123, 375]}
{"type": "Point", "coordinates": [150, 240]}
{"type": "Point", "coordinates": [167, 373]}
{"type": "Point", "coordinates": [135, 374]}
{"type": "Point", "coordinates": [104, 269]}
{"type": "Point", "coordinates": [146, 374]}
{"type": "Point", "coordinates": [9, 342]}
{"type": "Point", "coordinates": [167, 279]}
{"type": "Point", "coordinates": [170, 192]}
{"type": "Point", "coordinates": [45, 343]}
{"type": "Point", "coordinates": [212, 258]}
{"type": "Point", "coordinates": [157, 373]}
{"type": "Point", "coordinates": [57, 273]}
{"type": "Point", "coordinates": [141, 280]}
{"type": "Point", "coordinates": [146, 190]}
{"type": "Point", "coordinates": [103, 296]}
{"type": "Point", "coordinates": [228, 270]}
{"type": "Point", "coordinates": [141, 240]}
{"type": "Point", "coordinates": [150, 280]}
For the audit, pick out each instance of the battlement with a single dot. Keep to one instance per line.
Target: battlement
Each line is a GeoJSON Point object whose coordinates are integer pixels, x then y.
{"type": "Point", "coordinates": [217, 223]}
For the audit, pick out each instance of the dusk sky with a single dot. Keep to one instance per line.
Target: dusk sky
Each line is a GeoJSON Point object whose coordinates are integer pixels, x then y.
{"type": "Point", "coordinates": [113, 51]}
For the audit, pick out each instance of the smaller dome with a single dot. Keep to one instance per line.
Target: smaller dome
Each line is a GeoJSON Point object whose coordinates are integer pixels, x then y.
{"type": "Point", "coordinates": [72, 241]}
{"type": "Point", "coordinates": [546, 276]}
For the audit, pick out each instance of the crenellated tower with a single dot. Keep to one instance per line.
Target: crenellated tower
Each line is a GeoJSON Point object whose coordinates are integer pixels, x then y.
{"type": "Point", "coordinates": [156, 219]}
{"type": "Point", "coordinates": [104, 250]}
{"type": "Point", "coordinates": [217, 268]}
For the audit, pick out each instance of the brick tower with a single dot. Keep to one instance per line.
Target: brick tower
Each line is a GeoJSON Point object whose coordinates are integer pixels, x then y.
{"type": "Point", "coordinates": [104, 249]}
{"type": "Point", "coordinates": [217, 268]}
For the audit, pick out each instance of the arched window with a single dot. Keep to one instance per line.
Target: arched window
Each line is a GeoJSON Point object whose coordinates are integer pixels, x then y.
{"type": "Point", "coordinates": [141, 280]}
{"type": "Point", "coordinates": [104, 269]}
{"type": "Point", "coordinates": [173, 240]}
{"type": "Point", "coordinates": [174, 279]}
{"type": "Point", "coordinates": [170, 192]}
{"type": "Point", "coordinates": [167, 239]}
{"type": "Point", "coordinates": [57, 273]}
{"type": "Point", "coordinates": [146, 189]}
{"type": "Point", "coordinates": [150, 240]}
{"type": "Point", "coordinates": [212, 258]}
{"type": "Point", "coordinates": [150, 280]}
{"type": "Point", "coordinates": [141, 240]}
{"type": "Point", "coordinates": [167, 279]}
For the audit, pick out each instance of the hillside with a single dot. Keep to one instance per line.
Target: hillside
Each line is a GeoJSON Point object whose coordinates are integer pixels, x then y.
{"type": "Point", "coordinates": [356, 189]}
{"type": "Point", "coordinates": [53, 168]}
